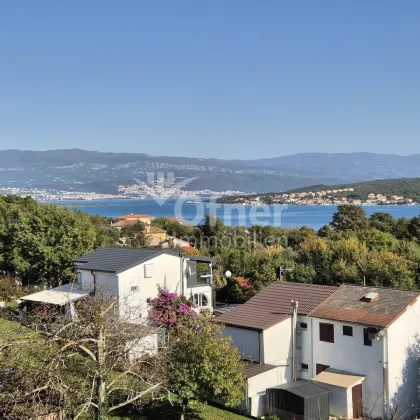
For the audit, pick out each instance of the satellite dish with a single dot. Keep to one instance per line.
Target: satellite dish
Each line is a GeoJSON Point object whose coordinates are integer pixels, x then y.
{"type": "Point", "coordinates": [228, 274]}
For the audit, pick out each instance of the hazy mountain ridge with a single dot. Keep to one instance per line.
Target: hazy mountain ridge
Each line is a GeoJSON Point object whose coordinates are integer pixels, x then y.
{"type": "Point", "coordinates": [83, 170]}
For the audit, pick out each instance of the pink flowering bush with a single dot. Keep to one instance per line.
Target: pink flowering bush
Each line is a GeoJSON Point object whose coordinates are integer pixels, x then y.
{"type": "Point", "coordinates": [171, 310]}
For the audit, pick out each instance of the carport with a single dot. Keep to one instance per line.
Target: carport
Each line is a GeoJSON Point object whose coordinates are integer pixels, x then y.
{"type": "Point", "coordinates": [345, 392]}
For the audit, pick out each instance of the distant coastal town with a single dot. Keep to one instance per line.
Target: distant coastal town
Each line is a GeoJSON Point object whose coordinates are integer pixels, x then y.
{"type": "Point", "coordinates": [323, 198]}
{"type": "Point", "coordinates": [136, 191]}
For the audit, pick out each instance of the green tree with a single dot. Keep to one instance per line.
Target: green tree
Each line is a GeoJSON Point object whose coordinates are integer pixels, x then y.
{"type": "Point", "coordinates": [210, 232]}
{"type": "Point", "coordinates": [379, 240]}
{"type": "Point", "coordinates": [173, 228]}
{"type": "Point", "coordinates": [130, 230]}
{"type": "Point", "coordinates": [205, 366]}
{"type": "Point", "coordinates": [349, 218]}
{"type": "Point", "coordinates": [401, 229]}
{"type": "Point", "coordinates": [40, 241]}
{"type": "Point", "coordinates": [316, 252]}
{"type": "Point", "coordinates": [414, 228]}
{"type": "Point", "coordinates": [382, 221]}
{"type": "Point", "coordinates": [106, 236]}
{"type": "Point", "coordinates": [385, 268]}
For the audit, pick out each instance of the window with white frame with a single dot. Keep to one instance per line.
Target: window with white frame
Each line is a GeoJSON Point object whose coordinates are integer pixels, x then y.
{"type": "Point", "coordinates": [149, 270]}
{"type": "Point", "coordinates": [200, 300]}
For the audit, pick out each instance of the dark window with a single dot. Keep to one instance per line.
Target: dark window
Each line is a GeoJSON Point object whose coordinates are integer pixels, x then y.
{"type": "Point", "coordinates": [326, 332]}
{"type": "Point", "coordinates": [320, 368]}
{"type": "Point", "coordinates": [304, 366]}
{"type": "Point", "coordinates": [303, 325]}
{"type": "Point", "coordinates": [347, 330]}
{"type": "Point", "coordinates": [367, 340]}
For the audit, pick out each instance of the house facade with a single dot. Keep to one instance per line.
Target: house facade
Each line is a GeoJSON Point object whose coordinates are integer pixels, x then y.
{"type": "Point", "coordinates": [134, 276]}
{"type": "Point", "coordinates": [362, 344]}
{"type": "Point", "coordinates": [144, 218]}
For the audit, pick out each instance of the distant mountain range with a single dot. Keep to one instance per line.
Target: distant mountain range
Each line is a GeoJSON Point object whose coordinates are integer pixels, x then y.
{"type": "Point", "coordinates": [82, 170]}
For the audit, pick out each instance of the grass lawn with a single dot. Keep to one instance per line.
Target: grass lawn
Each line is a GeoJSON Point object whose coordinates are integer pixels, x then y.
{"type": "Point", "coordinates": [196, 411]}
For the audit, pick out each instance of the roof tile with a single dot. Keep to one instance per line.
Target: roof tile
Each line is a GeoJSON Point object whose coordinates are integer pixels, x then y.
{"type": "Point", "coordinates": [273, 305]}
{"type": "Point", "coordinates": [347, 305]}
{"type": "Point", "coordinates": [254, 369]}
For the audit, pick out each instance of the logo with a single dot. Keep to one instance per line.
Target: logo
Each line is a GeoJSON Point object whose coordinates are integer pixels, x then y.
{"type": "Point", "coordinates": [161, 186]}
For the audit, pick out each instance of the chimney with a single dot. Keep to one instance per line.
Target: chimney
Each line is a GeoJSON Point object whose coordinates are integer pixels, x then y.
{"type": "Point", "coordinates": [294, 338]}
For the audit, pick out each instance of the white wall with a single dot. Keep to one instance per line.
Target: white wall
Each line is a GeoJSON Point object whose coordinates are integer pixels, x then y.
{"type": "Point", "coordinates": [102, 279]}
{"type": "Point", "coordinates": [247, 341]}
{"type": "Point", "coordinates": [403, 368]}
{"type": "Point", "coordinates": [277, 344]}
{"type": "Point", "coordinates": [205, 289]}
{"type": "Point", "coordinates": [146, 345]}
{"type": "Point", "coordinates": [340, 400]}
{"type": "Point", "coordinates": [167, 273]}
{"type": "Point", "coordinates": [304, 344]}
{"type": "Point", "coordinates": [350, 354]}
{"type": "Point", "coordinates": [257, 386]}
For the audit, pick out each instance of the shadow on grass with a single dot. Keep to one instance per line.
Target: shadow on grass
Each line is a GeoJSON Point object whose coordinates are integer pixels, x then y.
{"type": "Point", "coordinates": [163, 410]}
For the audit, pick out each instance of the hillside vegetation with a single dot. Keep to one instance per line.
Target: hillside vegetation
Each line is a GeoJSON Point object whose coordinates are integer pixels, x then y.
{"type": "Point", "coordinates": [406, 187]}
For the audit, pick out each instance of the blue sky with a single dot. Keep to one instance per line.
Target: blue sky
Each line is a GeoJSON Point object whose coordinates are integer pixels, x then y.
{"type": "Point", "coordinates": [212, 78]}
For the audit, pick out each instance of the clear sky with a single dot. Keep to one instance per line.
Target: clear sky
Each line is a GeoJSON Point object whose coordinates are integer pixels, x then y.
{"type": "Point", "coordinates": [211, 78]}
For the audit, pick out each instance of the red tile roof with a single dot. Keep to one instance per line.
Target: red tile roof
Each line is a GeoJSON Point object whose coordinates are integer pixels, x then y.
{"type": "Point", "coordinates": [135, 216]}
{"type": "Point", "coordinates": [347, 305]}
{"type": "Point", "coordinates": [273, 305]}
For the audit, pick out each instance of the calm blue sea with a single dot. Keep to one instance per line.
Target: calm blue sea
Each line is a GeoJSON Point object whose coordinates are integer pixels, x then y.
{"type": "Point", "coordinates": [291, 216]}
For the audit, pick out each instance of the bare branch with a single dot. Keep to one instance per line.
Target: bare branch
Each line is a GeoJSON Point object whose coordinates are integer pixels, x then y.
{"type": "Point", "coordinates": [115, 407]}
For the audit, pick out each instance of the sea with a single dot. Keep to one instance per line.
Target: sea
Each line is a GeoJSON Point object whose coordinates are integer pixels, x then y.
{"type": "Point", "coordinates": [194, 211]}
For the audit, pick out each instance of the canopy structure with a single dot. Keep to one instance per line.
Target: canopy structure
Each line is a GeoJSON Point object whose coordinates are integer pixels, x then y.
{"type": "Point", "coordinates": [299, 400]}
{"type": "Point", "coordinates": [60, 296]}
{"type": "Point", "coordinates": [338, 378]}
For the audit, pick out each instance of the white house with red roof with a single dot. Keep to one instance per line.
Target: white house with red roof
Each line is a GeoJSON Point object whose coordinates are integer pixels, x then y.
{"type": "Point", "coordinates": [362, 344]}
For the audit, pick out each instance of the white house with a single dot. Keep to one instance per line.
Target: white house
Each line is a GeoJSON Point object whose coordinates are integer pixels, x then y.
{"type": "Point", "coordinates": [134, 276]}
{"type": "Point", "coordinates": [360, 343]}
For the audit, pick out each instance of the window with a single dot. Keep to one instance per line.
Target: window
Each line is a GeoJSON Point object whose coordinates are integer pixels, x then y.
{"type": "Point", "coordinates": [326, 332]}
{"type": "Point", "coordinates": [303, 325]}
{"type": "Point", "coordinates": [200, 300]}
{"type": "Point", "coordinates": [304, 366]}
{"type": "Point", "coordinates": [347, 330]}
{"type": "Point", "coordinates": [320, 368]}
{"type": "Point", "coordinates": [367, 339]}
{"type": "Point", "coordinates": [134, 288]}
{"type": "Point", "coordinates": [149, 270]}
